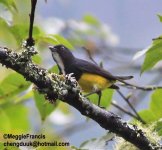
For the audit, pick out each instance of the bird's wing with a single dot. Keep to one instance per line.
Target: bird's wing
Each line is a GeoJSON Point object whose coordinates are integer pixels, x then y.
{"type": "Point", "coordinates": [88, 67]}
{"type": "Point", "coordinates": [85, 66]}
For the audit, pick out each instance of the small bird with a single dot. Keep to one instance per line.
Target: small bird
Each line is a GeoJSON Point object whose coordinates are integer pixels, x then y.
{"type": "Point", "coordinates": [91, 77]}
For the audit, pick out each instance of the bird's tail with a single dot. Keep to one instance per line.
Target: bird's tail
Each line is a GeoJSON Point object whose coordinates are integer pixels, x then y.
{"type": "Point", "coordinates": [123, 77]}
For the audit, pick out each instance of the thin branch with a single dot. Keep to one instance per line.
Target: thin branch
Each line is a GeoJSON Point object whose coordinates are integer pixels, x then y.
{"type": "Point", "coordinates": [30, 40]}
{"type": "Point", "coordinates": [130, 105]}
{"type": "Point", "coordinates": [66, 88]}
{"type": "Point", "coordinates": [143, 88]}
{"type": "Point", "coordinates": [123, 110]}
{"type": "Point", "coordinates": [134, 101]}
{"type": "Point", "coordinates": [89, 55]}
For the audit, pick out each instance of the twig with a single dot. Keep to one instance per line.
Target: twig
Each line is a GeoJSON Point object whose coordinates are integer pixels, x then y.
{"type": "Point", "coordinates": [123, 110]}
{"type": "Point", "coordinates": [30, 40]}
{"type": "Point", "coordinates": [144, 88]}
{"type": "Point", "coordinates": [89, 55]}
{"type": "Point", "coordinates": [130, 105]}
{"type": "Point", "coordinates": [134, 101]}
{"type": "Point", "coordinates": [118, 107]}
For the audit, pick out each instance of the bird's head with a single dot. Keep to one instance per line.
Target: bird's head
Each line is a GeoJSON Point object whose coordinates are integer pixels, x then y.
{"type": "Point", "coordinates": [62, 56]}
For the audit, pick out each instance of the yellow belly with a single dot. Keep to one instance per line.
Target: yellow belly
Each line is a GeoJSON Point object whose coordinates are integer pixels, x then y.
{"type": "Point", "coordinates": [91, 82]}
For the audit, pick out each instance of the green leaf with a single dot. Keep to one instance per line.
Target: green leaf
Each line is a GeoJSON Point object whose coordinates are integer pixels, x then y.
{"type": "Point", "coordinates": [153, 55]}
{"type": "Point", "coordinates": [106, 98]}
{"type": "Point", "coordinates": [49, 39]}
{"type": "Point", "coordinates": [44, 107]}
{"type": "Point", "coordinates": [158, 127]}
{"type": "Point", "coordinates": [153, 113]}
{"type": "Point", "coordinates": [6, 121]}
{"type": "Point", "coordinates": [56, 39]}
{"type": "Point", "coordinates": [65, 109]}
{"type": "Point", "coordinates": [54, 69]}
{"type": "Point", "coordinates": [74, 147]}
{"type": "Point", "coordinates": [37, 59]}
{"type": "Point", "coordinates": [4, 27]}
{"type": "Point", "coordinates": [14, 118]}
{"type": "Point", "coordinates": [20, 32]}
{"type": "Point", "coordinates": [156, 103]}
{"type": "Point", "coordinates": [160, 17]}
{"type": "Point", "coordinates": [147, 115]}
{"type": "Point", "coordinates": [26, 96]}
{"type": "Point", "coordinates": [94, 98]}
{"type": "Point", "coordinates": [6, 36]}
{"type": "Point", "coordinates": [91, 20]}
{"type": "Point", "coordinates": [13, 84]}
{"type": "Point", "coordinates": [63, 41]}
{"type": "Point", "coordinates": [3, 23]}
{"type": "Point", "coordinates": [10, 4]}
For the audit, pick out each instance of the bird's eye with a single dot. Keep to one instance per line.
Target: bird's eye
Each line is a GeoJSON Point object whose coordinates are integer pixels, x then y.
{"type": "Point", "coordinates": [62, 47]}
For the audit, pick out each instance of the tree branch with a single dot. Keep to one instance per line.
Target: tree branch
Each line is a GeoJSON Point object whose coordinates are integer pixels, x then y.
{"type": "Point", "coordinates": [66, 88]}
{"type": "Point", "coordinates": [30, 40]}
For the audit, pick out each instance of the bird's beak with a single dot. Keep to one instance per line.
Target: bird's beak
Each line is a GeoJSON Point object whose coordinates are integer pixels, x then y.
{"type": "Point", "coordinates": [52, 48]}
